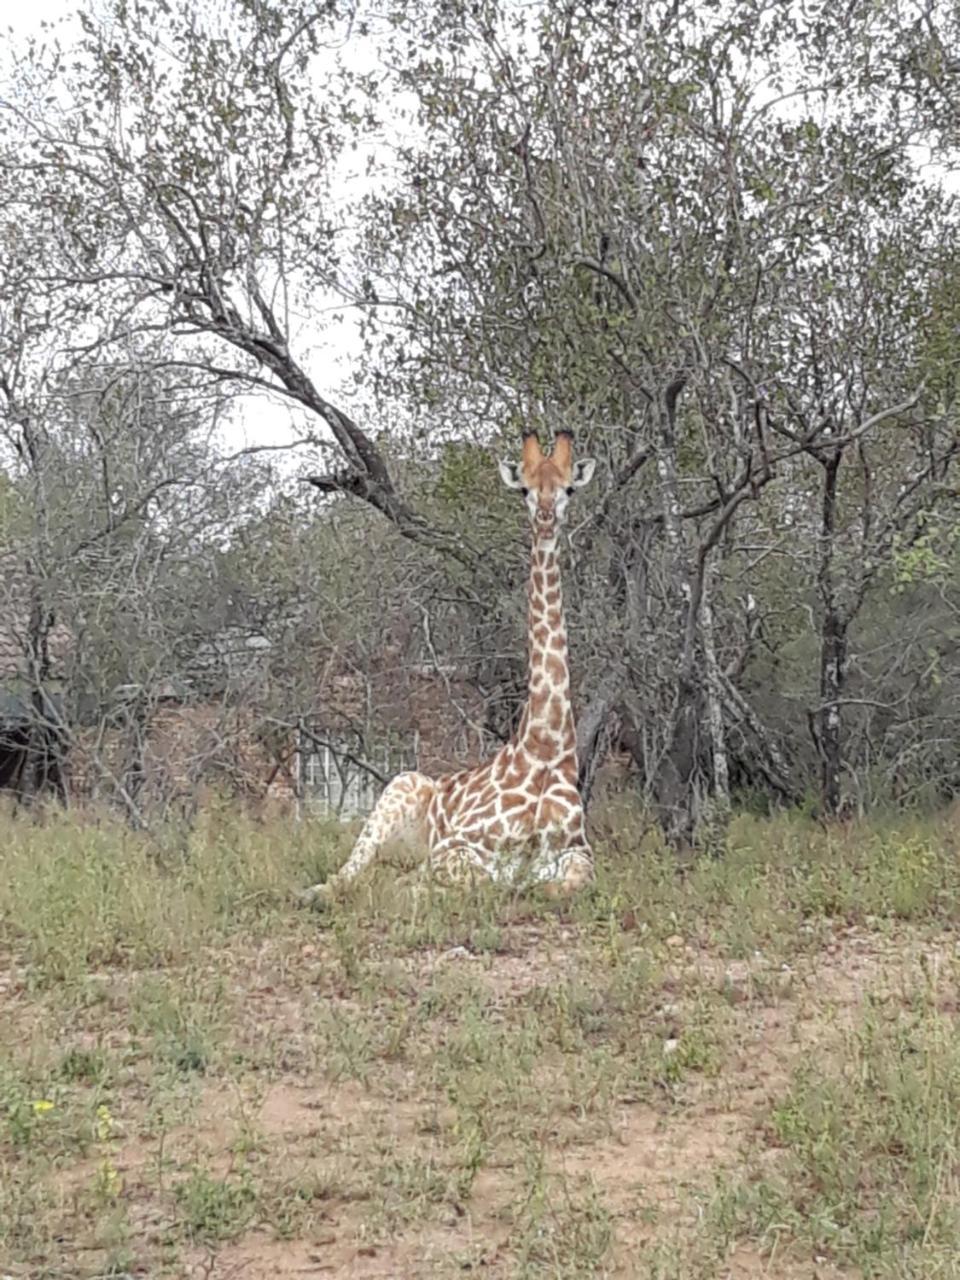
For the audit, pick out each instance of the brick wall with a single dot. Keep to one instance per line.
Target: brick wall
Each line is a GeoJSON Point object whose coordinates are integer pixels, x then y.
{"type": "Point", "coordinates": [189, 752]}
{"type": "Point", "coordinates": [438, 719]}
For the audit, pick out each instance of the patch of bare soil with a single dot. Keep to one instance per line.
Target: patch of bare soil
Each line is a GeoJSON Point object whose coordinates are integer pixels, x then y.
{"type": "Point", "coordinates": [747, 1263]}
{"type": "Point", "coordinates": [652, 1170]}
{"type": "Point", "coordinates": [652, 1174]}
{"type": "Point", "coordinates": [425, 1256]}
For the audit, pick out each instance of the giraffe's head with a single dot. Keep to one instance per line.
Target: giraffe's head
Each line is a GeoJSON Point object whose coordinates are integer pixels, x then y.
{"type": "Point", "coordinates": [547, 480]}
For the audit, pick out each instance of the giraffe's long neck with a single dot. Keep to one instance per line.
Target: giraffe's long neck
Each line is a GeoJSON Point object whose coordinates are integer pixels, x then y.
{"type": "Point", "coordinates": [547, 729]}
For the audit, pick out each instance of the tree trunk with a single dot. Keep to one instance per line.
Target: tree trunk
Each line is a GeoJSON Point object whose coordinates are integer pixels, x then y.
{"type": "Point", "coordinates": [833, 672]}
{"type": "Point", "coordinates": [678, 808]}
{"type": "Point", "coordinates": [714, 694]}
{"type": "Point", "coordinates": [676, 800]}
{"type": "Point", "coordinates": [48, 748]}
{"type": "Point", "coordinates": [48, 737]}
{"type": "Point", "coordinates": [834, 625]}
{"type": "Point", "coordinates": [596, 729]}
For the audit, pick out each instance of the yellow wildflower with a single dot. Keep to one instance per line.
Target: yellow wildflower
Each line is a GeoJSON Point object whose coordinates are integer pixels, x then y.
{"type": "Point", "coordinates": [104, 1122]}
{"type": "Point", "coordinates": [109, 1184]}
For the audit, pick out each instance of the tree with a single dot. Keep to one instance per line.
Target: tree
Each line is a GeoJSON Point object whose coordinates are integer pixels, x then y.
{"type": "Point", "coordinates": [682, 230]}
{"type": "Point", "coordinates": [199, 208]}
{"type": "Point", "coordinates": [608, 222]}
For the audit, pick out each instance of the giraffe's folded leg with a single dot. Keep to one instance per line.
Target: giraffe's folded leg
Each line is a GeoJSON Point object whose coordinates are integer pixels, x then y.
{"type": "Point", "coordinates": [317, 895]}
{"type": "Point", "coordinates": [563, 872]}
{"type": "Point", "coordinates": [399, 814]}
{"type": "Point", "coordinates": [453, 861]}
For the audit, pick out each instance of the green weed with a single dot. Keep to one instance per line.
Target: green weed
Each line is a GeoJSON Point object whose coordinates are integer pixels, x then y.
{"type": "Point", "coordinates": [870, 1141]}
{"type": "Point", "coordinates": [214, 1209]}
{"type": "Point", "coordinates": [492, 1035]}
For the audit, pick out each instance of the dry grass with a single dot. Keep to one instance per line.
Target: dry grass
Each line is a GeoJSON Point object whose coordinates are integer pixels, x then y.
{"type": "Point", "coordinates": [748, 1068]}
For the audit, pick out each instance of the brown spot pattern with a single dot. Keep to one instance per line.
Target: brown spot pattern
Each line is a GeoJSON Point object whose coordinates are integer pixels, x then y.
{"type": "Point", "coordinates": [551, 812]}
{"type": "Point", "coordinates": [568, 795]}
{"type": "Point", "coordinates": [567, 768]}
{"type": "Point", "coordinates": [542, 744]}
{"type": "Point", "coordinates": [555, 668]}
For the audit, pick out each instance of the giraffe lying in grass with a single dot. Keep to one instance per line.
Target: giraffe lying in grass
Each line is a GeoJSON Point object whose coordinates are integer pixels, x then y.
{"type": "Point", "coordinates": [518, 816]}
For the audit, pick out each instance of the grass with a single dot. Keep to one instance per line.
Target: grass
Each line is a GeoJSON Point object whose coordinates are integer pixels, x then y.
{"type": "Point", "coordinates": [867, 1170]}
{"type": "Point", "coordinates": [731, 1069]}
{"type": "Point", "coordinates": [214, 1209]}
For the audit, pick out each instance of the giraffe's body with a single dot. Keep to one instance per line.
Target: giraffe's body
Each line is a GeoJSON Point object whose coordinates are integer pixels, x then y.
{"type": "Point", "coordinates": [517, 816]}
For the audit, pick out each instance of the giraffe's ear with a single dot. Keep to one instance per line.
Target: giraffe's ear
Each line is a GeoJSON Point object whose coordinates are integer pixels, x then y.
{"type": "Point", "coordinates": [510, 475]}
{"type": "Point", "coordinates": [583, 470]}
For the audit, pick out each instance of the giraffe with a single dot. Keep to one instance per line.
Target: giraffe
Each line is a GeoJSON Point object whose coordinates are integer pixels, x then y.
{"type": "Point", "coordinates": [518, 816]}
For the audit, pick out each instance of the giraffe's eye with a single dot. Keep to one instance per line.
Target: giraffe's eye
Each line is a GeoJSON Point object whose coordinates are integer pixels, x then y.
{"type": "Point", "coordinates": [524, 490]}
{"type": "Point", "coordinates": [569, 490]}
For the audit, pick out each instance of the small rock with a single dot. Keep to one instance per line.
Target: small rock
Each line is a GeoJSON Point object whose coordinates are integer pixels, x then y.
{"type": "Point", "coordinates": [735, 990]}
{"type": "Point", "coordinates": [457, 953]}
{"type": "Point", "coordinates": [675, 940]}
{"type": "Point", "coordinates": [308, 951]}
{"type": "Point", "coordinates": [670, 1046]}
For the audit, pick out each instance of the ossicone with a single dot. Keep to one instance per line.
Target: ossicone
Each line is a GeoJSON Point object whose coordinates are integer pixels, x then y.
{"type": "Point", "coordinates": [532, 453]}
{"type": "Point", "coordinates": [563, 449]}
